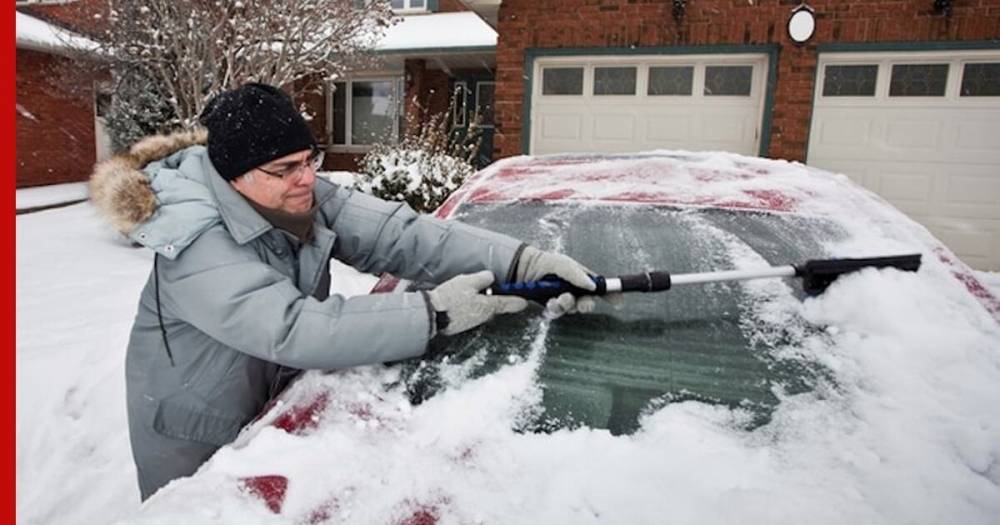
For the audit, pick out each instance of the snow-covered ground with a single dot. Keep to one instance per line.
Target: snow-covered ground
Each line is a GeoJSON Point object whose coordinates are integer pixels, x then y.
{"type": "Point", "coordinates": [50, 195]}
{"type": "Point", "coordinates": [911, 434]}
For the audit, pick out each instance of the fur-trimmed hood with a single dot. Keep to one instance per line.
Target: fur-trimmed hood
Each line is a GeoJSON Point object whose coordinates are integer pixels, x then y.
{"type": "Point", "coordinates": [158, 193]}
{"type": "Point", "coordinates": [121, 190]}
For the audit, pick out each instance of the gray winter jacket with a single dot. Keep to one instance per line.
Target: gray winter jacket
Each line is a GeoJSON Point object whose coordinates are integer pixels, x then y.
{"type": "Point", "coordinates": [244, 308]}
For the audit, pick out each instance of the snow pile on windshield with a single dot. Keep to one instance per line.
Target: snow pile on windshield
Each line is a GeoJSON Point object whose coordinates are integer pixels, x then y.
{"type": "Point", "coordinates": [909, 433]}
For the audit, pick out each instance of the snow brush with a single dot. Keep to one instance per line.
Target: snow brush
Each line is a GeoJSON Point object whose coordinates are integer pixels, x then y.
{"type": "Point", "coordinates": [816, 275]}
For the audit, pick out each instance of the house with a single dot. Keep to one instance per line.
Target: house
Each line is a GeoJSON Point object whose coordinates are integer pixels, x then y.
{"type": "Point", "coordinates": [59, 132]}
{"type": "Point", "coordinates": [439, 49]}
{"type": "Point", "coordinates": [902, 96]}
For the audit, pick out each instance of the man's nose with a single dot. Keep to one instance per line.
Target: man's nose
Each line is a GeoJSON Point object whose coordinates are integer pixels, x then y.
{"type": "Point", "coordinates": [306, 176]}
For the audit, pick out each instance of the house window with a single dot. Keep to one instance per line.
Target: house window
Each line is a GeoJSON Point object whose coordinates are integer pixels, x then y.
{"type": "Point", "coordinates": [484, 103]}
{"type": "Point", "coordinates": [728, 80]}
{"type": "Point", "coordinates": [614, 80]}
{"type": "Point", "coordinates": [981, 80]}
{"type": "Point", "coordinates": [671, 80]}
{"type": "Point", "coordinates": [562, 81]}
{"type": "Point", "coordinates": [366, 111]}
{"type": "Point", "coordinates": [918, 80]}
{"type": "Point", "coordinates": [408, 5]}
{"type": "Point", "coordinates": [458, 96]}
{"type": "Point", "coordinates": [849, 81]}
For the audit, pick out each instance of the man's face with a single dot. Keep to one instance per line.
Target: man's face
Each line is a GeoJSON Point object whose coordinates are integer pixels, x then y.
{"type": "Point", "coordinates": [292, 192]}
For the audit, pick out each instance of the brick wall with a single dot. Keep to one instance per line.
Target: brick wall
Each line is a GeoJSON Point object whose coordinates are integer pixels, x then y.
{"type": "Point", "coordinates": [450, 6]}
{"type": "Point", "coordinates": [625, 23]}
{"type": "Point", "coordinates": [55, 127]}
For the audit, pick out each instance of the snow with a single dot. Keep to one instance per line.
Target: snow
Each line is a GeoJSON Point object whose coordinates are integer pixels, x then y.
{"type": "Point", "coordinates": [908, 431]}
{"type": "Point", "coordinates": [991, 280]}
{"type": "Point", "coordinates": [40, 35]}
{"type": "Point", "coordinates": [50, 195]}
{"type": "Point", "coordinates": [438, 30]}
{"type": "Point", "coordinates": [343, 178]}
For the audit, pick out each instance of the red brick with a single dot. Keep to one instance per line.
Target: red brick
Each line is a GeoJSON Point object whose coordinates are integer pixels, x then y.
{"type": "Point", "coordinates": [55, 132]}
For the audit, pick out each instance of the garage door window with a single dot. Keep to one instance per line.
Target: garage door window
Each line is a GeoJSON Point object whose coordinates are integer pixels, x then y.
{"type": "Point", "coordinates": [562, 81]}
{"type": "Point", "coordinates": [981, 80]}
{"type": "Point", "coordinates": [728, 80]}
{"type": "Point", "coordinates": [918, 80]}
{"type": "Point", "coordinates": [849, 81]}
{"type": "Point", "coordinates": [670, 80]}
{"type": "Point", "coordinates": [614, 80]}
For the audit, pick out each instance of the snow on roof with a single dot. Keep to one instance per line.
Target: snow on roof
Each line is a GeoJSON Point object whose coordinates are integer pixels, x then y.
{"type": "Point", "coordinates": [39, 35]}
{"type": "Point", "coordinates": [438, 30]}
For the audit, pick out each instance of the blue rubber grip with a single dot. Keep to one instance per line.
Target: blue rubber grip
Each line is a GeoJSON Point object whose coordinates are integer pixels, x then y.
{"type": "Point", "coordinates": [546, 288]}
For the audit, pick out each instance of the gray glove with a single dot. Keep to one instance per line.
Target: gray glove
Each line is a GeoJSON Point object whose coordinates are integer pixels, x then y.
{"type": "Point", "coordinates": [465, 307]}
{"type": "Point", "coordinates": [535, 264]}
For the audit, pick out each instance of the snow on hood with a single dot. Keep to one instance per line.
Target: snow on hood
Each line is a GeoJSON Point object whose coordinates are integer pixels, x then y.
{"type": "Point", "coordinates": [905, 430]}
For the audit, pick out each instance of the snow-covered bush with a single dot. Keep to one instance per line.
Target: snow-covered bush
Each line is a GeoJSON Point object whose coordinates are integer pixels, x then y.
{"type": "Point", "coordinates": [424, 168]}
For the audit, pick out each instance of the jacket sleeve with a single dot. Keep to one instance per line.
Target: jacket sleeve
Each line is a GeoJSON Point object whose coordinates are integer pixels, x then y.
{"type": "Point", "coordinates": [227, 292]}
{"type": "Point", "coordinates": [374, 236]}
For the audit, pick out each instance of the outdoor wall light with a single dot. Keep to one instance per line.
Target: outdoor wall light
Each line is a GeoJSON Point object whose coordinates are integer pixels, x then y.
{"type": "Point", "coordinates": [678, 10]}
{"type": "Point", "coordinates": [943, 6]}
{"type": "Point", "coordinates": [802, 23]}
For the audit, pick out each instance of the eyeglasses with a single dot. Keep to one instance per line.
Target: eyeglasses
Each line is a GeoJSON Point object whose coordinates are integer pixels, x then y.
{"type": "Point", "coordinates": [314, 161]}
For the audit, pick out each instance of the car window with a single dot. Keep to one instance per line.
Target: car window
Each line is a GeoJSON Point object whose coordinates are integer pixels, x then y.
{"type": "Point", "coordinates": [710, 342]}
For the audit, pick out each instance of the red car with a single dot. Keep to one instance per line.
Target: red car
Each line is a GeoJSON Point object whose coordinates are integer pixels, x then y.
{"type": "Point", "coordinates": [734, 401]}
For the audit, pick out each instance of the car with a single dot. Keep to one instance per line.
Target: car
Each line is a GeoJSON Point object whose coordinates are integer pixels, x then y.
{"type": "Point", "coordinates": [746, 401]}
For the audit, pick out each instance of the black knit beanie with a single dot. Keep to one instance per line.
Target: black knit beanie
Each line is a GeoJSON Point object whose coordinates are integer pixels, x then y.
{"type": "Point", "coordinates": [250, 126]}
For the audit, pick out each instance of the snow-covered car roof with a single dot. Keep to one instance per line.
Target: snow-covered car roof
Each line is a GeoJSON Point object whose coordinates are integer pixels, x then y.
{"type": "Point", "coordinates": [898, 425]}
{"type": "Point", "coordinates": [715, 180]}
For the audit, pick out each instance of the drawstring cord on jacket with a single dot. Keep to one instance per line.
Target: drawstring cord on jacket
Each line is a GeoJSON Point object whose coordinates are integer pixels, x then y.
{"type": "Point", "coordinates": [159, 315]}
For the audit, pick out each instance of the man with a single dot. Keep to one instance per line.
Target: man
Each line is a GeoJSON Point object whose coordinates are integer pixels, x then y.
{"type": "Point", "coordinates": [238, 300]}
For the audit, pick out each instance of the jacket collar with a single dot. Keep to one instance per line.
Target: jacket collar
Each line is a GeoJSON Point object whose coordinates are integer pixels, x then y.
{"type": "Point", "coordinates": [242, 221]}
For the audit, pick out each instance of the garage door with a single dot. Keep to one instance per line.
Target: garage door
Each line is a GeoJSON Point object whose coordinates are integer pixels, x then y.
{"type": "Point", "coordinates": [922, 129]}
{"type": "Point", "coordinates": [613, 104]}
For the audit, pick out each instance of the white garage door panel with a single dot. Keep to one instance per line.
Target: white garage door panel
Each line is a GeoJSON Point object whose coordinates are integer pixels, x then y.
{"type": "Point", "coordinates": [978, 134]}
{"type": "Point", "coordinates": [936, 158]}
{"type": "Point", "coordinates": [614, 127]}
{"type": "Point", "coordinates": [913, 134]}
{"type": "Point", "coordinates": [638, 122]}
{"type": "Point", "coordinates": [669, 130]}
{"type": "Point", "coordinates": [566, 127]}
{"type": "Point", "coordinates": [913, 188]}
{"type": "Point", "coordinates": [843, 131]}
{"type": "Point", "coordinates": [723, 129]}
{"type": "Point", "coordinates": [973, 192]}
{"type": "Point", "coordinates": [977, 243]}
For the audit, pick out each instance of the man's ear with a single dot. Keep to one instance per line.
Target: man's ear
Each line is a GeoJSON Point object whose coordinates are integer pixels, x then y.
{"type": "Point", "coordinates": [239, 183]}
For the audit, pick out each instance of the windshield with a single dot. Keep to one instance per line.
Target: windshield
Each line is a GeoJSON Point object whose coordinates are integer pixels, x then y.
{"type": "Point", "coordinates": [723, 343]}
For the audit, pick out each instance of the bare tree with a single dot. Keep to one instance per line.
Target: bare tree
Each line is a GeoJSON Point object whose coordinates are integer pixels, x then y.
{"type": "Point", "coordinates": [189, 50]}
